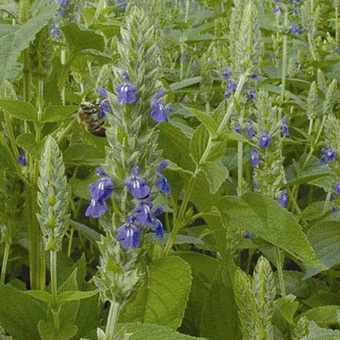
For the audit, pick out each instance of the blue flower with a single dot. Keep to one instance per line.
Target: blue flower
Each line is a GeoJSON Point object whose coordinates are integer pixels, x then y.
{"type": "Point", "coordinates": [62, 2]}
{"type": "Point", "coordinates": [158, 112]}
{"type": "Point", "coordinates": [329, 155]}
{"type": "Point", "coordinates": [295, 29]}
{"type": "Point", "coordinates": [250, 131]}
{"type": "Point", "coordinates": [143, 213]}
{"type": "Point", "coordinates": [251, 94]}
{"type": "Point", "coordinates": [285, 128]}
{"type": "Point", "coordinates": [103, 188]}
{"type": "Point", "coordinates": [277, 8]}
{"type": "Point", "coordinates": [283, 198]}
{"type": "Point", "coordinates": [162, 183]}
{"type": "Point", "coordinates": [60, 12]}
{"type": "Point", "coordinates": [96, 209]}
{"type": "Point", "coordinates": [337, 188]}
{"type": "Point", "coordinates": [157, 225]}
{"type": "Point", "coordinates": [265, 139]}
{"type": "Point", "coordinates": [254, 77]}
{"type": "Point", "coordinates": [102, 92]}
{"type": "Point", "coordinates": [232, 86]}
{"type": "Point", "coordinates": [54, 31]}
{"type": "Point", "coordinates": [104, 106]}
{"type": "Point", "coordinates": [126, 91]}
{"type": "Point", "coordinates": [137, 185]}
{"type": "Point", "coordinates": [237, 128]}
{"type": "Point", "coordinates": [128, 234]}
{"type": "Point", "coordinates": [22, 157]}
{"type": "Point", "coordinates": [226, 74]}
{"type": "Point", "coordinates": [255, 158]}
{"type": "Point", "coordinates": [170, 109]}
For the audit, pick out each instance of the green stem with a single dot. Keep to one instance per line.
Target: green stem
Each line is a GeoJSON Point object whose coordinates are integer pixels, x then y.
{"type": "Point", "coordinates": [70, 243]}
{"type": "Point", "coordinates": [279, 266]}
{"type": "Point", "coordinates": [240, 167]}
{"type": "Point", "coordinates": [284, 56]}
{"type": "Point", "coordinates": [187, 11]}
{"type": "Point", "coordinates": [54, 289]}
{"type": "Point", "coordinates": [112, 321]}
{"type": "Point", "coordinates": [328, 198]}
{"type": "Point", "coordinates": [26, 78]}
{"type": "Point", "coordinates": [4, 263]}
{"type": "Point", "coordinates": [36, 249]}
{"type": "Point", "coordinates": [11, 136]}
{"type": "Point", "coordinates": [66, 69]}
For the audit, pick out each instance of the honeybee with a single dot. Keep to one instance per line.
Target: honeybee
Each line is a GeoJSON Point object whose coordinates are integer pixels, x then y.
{"type": "Point", "coordinates": [88, 115]}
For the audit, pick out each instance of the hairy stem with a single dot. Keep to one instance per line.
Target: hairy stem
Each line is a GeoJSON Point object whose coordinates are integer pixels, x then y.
{"type": "Point", "coordinates": [284, 57]}
{"type": "Point", "coordinates": [239, 168]}
{"type": "Point", "coordinates": [279, 266]}
{"type": "Point", "coordinates": [54, 289]}
{"type": "Point", "coordinates": [112, 321]}
{"type": "Point", "coordinates": [4, 263]}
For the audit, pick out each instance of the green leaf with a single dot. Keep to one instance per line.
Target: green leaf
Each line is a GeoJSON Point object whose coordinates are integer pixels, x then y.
{"type": "Point", "coordinates": [216, 174]}
{"type": "Point", "coordinates": [325, 239]}
{"type": "Point", "coordinates": [317, 333]}
{"type": "Point", "coordinates": [205, 119]}
{"type": "Point", "coordinates": [198, 143]}
{"type": "Point", "coordinates": [56, 113]}
{"type": "Point", "coordinates": [19, 109]}
{"type": "Point", "coordinates": [185, 83]}
{"type": "Point", "coordinates": [79, 40]}
{"type": "Point", "coordinates": [323, 316]}
{"type": "Point", "coordinates": [162, 300]}
{"type": "Point", "coordinates": [48, 332]}
{"type": "Point", "coordinates": [90, 233]}
{"type": "Point", "coordinates": [75, 296]}
{"type": "Point", "coordinates": [203, 270]}
{"type": "Point", "coordinates": [219, 315]}
{"type": "Point", "coordinates": [40, 295]}
{"type": "Point", "coordinates": [147, 332]}
{"type": "Point", "coordinates": [84, 154]}
{"type": "Point", "coordinates": [265, 218]}
{"type": "Point", "coordinates": [20, 313]}
{"type": "Point", "coordinates": [288, 308]}
{"type": "Point", "coordinates": [28, 142]}
{"type": "Point", "coordinates": [14, 38]}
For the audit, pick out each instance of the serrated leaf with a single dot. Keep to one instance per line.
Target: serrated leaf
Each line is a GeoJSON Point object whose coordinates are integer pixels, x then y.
{"type": "Point", "coordinates": [147, 332]}
{"type": "Point", "coordinates": [79, 40]}
{"type": "Point", "coordinates": [317, 333]}
{"type": "Point", "coordinates": [40, 295]}
{"type": "Point", "coordinates": [198, 143]}
{"type": "Point", "coordinates": [264, 217]}
{"type": "Point", "coordinates": [48, 332]}
{"type": "Point", "coordinates": [28, 142]}
{"type": "Point", "coordinates": [325, 239]}
{"type": "Point", "coordinates": [162, 300]}
{"type": "Point", "coordinates": [185, 83]}
{"type": "Point", "coordinates": [75, 296]}
{"type": "Point", "coordinates": [14, 39]}
{"type": "Point", "coordinates": [19, 109]}
{"type": "Point", "coordinates": [205, 119]}
{"type": "Point", "coordinates": [216, 175]}
{"type": "Point", "coordinates": [20, 313]}
{"type": "Point", "coordinates": [323, 316]}
{"type": "Point", "coordinates": [288, 308]}
{"type": "Point", "coordinates": [56, 113]}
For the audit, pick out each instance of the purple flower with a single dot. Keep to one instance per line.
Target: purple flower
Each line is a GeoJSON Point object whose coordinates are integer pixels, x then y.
{"type": "Point", "coordinates": [162, 183]}
{"type": "Point", "coordinates": [336, 49]}
{"type": "Point", "coordinates": [250, 131]}
{"type": "Point", "coordinates": [137, 185]}
{"type": "Point", "coordinates": [251, 94]}
{"type": "Point", "coordinates": [295, 29]}
{"type": "Point", "coordinates": [126, 91]}
{"type": "Point", "coordinates": [157, 225]}
{"type": "Point", "coordinates": [143, 213]}
{"type": "Point", "coordinates": [283, 198]}
{"type": "Point", "coordinates": [254, 77]}
{"type": "Point", "coordinates": [158, 112]}
{"type": "Point", "coordinates": [54, 31]}
{"type": "Point", "coordinates": [96, 209]}
{"type": "Point", "coordinates": [265, 139]}
{"type": "Point", "coordinates": [226, 74]}
{"type": "Point", "coordinates": [62, 2]}
{"type": "Point", "coordinates": [337, 188]}
{"type": "Point", "coordinates": [255, 158]}
{"type": "Point", "coordinates": [104, 109]}
{"type": "Point", "coordinates": [277, 8]}
{"type": "Point", "coordinates": [285, 128]}
{"type": "Point", "coordinates": [128, 234]}
{"type": "Point", "coordinates": [237, 128]}
{"type": "Point", "coordinates": [102, 92]}
{"type": "Point", "coordinates": [22, 157]}
{"type": "Point", "coordinates": [232, 85]}
{"type": "Point", "coordinates": [329, 155]}
{"type": "Point", "coordinates": [170, 109]}
{"type": "Point", "coordinates": [60, 12]}
{"type": "Point", "coordinates": [103, 188]}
